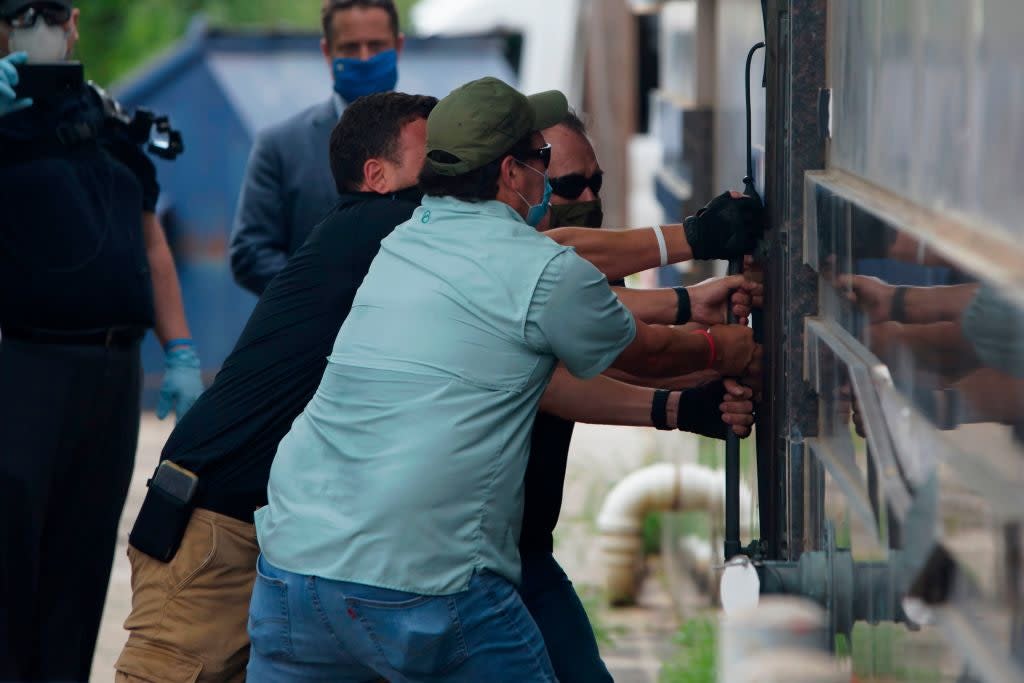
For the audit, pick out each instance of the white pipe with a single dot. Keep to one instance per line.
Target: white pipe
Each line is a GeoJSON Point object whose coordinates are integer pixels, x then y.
{"type": "Point", "coordinates": [660, 487]}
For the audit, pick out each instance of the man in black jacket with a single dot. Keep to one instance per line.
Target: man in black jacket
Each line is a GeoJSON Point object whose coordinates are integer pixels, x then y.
{"type": "Point", "coordinates": [189, 614]}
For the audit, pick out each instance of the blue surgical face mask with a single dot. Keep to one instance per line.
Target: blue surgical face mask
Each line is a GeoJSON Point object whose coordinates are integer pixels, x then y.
{"type": "Point", "coordinates": [536, 212]}
{"type": "Point", "coordinates": [354, 78]}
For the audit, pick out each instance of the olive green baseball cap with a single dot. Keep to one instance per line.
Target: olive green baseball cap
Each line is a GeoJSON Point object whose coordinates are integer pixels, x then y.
{"type": "Point", "coordinates": [480, 121]}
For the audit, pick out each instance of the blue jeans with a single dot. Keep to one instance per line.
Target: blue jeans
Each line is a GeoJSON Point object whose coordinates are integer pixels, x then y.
{"type": "Point", "coordinates": [305, 628]}
{"type": "Point", "coordinates": [554, 605]}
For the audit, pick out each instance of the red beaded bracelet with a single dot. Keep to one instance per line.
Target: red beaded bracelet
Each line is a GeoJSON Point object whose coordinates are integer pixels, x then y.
{"type": "Point", "coordinates": [713, 355]}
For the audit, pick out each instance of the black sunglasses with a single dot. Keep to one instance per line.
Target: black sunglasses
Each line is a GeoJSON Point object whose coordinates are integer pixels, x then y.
{"type": "Point", "coordinates": [572, 186]}
{"type": "Point", "coordinates": [543, 153]}
{"type": "Point", "coordinates": [52, 13]}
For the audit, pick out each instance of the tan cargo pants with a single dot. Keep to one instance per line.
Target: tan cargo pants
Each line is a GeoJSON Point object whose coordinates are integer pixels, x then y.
{"type": "Point", "coordinates": [188, 618]}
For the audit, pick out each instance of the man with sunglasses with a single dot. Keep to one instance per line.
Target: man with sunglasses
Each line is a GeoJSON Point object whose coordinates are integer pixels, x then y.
{"type": "Point", "coordinates": [288, 186]}
{"type": "Point", "coordinates": [85, 270]}
{"type": "Point", "coordinates": [696, 402]}
{"type": "Point", "coordinates": [394, 505]}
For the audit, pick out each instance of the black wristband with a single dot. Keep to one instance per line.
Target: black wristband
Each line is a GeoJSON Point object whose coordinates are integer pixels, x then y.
{"type": "Point", "coordinates": [683, 311]}
{"type": "Point", "coordinates": [699, 412]}
{"type": "Point", "coordinates": [898, 309]}
{"type": "Point", "coordinates": [659, 412]}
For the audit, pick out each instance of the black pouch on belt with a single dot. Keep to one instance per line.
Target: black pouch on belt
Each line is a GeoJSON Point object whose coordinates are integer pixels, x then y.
{"type": "Point", "coordinates": [165, 512]}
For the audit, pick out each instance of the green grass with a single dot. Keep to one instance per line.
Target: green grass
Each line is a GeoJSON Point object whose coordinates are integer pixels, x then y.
{"type": "Point", "coordinates": [694, 660]}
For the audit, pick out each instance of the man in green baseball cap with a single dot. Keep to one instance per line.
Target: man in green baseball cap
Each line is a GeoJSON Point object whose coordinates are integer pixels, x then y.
{"type": "Point", "coordinates": [485, 130]}
{"type": "Point", "coordinates": [396, 499]}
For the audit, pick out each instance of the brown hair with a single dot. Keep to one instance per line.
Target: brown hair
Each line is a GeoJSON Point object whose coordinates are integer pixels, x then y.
{"type": "Point", "coordinates": [329, 7]}
{"type": "Point", "coordinates": [370, 128]}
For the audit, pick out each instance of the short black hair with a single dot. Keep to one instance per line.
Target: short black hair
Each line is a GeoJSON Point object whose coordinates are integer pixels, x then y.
{"type": "Point", "coordinates": [478, 185]}
{"type": "Point", "coordinates": [370, 129]}
{"type": "Point", "coordinates": [331, 6]}
{"type": "Point", "coordinates": [573, 122]}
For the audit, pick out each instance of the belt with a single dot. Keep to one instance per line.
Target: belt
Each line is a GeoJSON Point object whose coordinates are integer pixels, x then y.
{"type": "Point", "coordinates": [117, 336]}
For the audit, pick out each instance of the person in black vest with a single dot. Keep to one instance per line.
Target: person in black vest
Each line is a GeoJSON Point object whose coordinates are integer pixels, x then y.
{"type": "Point", "coordinates": [85, 270]}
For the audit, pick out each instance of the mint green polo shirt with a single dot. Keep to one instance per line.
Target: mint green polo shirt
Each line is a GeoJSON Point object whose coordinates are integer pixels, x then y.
{"type": "Point", "coordinates": [406, 469]}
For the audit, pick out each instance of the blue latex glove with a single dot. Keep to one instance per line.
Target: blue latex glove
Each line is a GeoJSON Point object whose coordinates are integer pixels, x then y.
{"type": "Point", "coordinates": [8, 79]}
{"type": "Point", "coordinates": [182, 382]}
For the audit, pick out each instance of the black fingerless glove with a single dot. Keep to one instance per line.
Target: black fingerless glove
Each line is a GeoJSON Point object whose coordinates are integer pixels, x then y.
{"type": "Point", "coordinates": [727, 228]}
{"type": "Point", "coordinates": [699, 412]}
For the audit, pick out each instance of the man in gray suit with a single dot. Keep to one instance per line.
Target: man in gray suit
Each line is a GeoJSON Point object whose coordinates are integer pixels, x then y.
{"type": "Point", "coordinates": [288, 186]}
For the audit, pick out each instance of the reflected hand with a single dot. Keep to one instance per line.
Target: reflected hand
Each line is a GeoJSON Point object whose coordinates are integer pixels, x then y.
{"type": "Point", "coordinates": [871, 294]}
{"type": "Point", "coordinates": [708, 299]}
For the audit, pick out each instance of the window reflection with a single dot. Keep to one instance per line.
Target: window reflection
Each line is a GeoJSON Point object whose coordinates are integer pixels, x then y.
{"type": "Point", "coordinates": [953, 344]}
{"type": "Point", "coordinates": [950, 347]}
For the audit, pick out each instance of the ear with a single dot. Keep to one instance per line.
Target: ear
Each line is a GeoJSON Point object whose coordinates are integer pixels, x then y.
{"type": "Point", "coordinates": [73, 33]}
{"type": "Point", "coordinates": [325, 50]}
{"type": "Point", "coordinates": [400, 44]}
{"type": "Point", "coordinates": [375, 176]}
{"type": "Point", "coordinates": [509, 171]}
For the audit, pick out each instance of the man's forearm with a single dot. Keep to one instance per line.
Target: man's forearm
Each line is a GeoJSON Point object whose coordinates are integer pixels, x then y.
{"type": "Point", "coordinates": [679, 383]}
{"type": "Point", "coordinates": [167, 301]}
{"type": "Point", "coordinates": [653, 306]}
{"type": "Point", "coordinates": [618, 253]}
{"type": "Point", "coordinates": [660, 351]}
{"type": "Point", "coordinates": [601, 400]}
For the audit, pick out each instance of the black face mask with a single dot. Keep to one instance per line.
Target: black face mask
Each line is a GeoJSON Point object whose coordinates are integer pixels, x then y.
{"type": "Point", "coordinates": [413, 195]}
{"type": "Point", "coordinates": [577, 215]}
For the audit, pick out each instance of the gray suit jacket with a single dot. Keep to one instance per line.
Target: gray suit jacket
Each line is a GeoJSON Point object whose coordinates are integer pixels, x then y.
{"type": "Point", "coordinates": [288, 189]}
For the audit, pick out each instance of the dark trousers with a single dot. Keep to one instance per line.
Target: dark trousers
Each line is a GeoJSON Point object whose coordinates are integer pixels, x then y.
{"type": "Point", "coordinates": [69, 424]}
{"type": "Point", "coordinates": [552, 602]}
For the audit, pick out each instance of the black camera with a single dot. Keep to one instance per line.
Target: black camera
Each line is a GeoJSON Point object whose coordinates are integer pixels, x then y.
{"type": "Point", "coordinates": [143, 127]}
{"type": "Point", "coordinates": [44, 82]}
{"type": "Point", "coordinates": [156, 133]}
{"type": "Point", "coordinates": [47, 81]}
